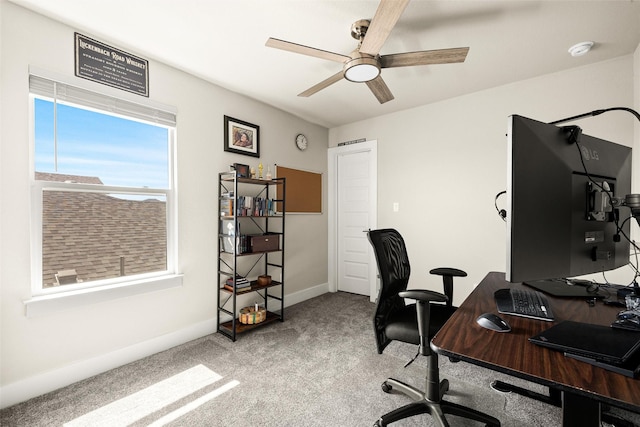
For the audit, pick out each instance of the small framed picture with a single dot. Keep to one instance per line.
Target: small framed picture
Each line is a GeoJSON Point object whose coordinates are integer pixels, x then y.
{"type": "Point", "coordinates": [242, 171]}
{"type": "Point", "coordinates": [241, 137]}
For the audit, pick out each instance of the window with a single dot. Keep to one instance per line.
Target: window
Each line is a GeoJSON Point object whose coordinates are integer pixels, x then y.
{"type": "Point", "coordinates": [103, 192]}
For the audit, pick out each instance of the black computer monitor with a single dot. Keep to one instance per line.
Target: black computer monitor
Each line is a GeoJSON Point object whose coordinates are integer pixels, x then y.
{"type": "Point", "coordinates": [560, 222]}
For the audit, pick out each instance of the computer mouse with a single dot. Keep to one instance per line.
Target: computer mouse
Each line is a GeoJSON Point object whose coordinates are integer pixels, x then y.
{"type": "Point", "coordinates": [493, 322]}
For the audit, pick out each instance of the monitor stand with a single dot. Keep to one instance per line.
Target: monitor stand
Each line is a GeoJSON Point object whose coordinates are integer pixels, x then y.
{"type": "Point", "coordinates": [559, 288]}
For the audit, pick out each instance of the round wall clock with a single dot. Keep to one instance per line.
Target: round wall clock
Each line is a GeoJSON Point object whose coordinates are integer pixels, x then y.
{"type": "Point", "coordinates": [301, 142]}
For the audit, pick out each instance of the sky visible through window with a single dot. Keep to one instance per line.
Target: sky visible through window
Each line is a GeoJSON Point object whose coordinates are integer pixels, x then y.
{"type": "Point", "coordinates": [119, 151]}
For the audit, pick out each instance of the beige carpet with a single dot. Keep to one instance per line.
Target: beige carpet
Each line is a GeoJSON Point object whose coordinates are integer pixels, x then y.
{"type": "Point", "coordinates": [318, 368]}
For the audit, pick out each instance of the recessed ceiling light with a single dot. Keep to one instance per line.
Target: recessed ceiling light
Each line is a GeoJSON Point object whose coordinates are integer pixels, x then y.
{"type": "Point", "coordinates": [580, 48]}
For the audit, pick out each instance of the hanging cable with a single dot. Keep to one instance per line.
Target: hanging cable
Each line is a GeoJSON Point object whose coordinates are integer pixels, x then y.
{"type": "Point", "coordinates": [501, 212]}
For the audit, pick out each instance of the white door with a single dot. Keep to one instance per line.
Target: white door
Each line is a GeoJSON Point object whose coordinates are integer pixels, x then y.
{"type": "Point", "coordinates": [355, 213]}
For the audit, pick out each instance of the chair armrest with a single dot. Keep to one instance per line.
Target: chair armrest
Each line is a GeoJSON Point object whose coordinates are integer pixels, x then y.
{"type": "Point", "coordinates": [423, 295]}
{"type": "Point", "coordinates": [447, 271]}
{"type": "Point", "coordinates": [448, 274]}
{"type": "Point", "coordinates": [423, 308]}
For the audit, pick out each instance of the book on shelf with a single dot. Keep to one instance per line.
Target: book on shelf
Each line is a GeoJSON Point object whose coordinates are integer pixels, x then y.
{"type": "Point", "coordinates": [226, 207]}
{"type": "Point", "coordinates": [243, 242]}
{"type": "Point", "coordinates": [254, 206]}
{"type": "Point", "coordinates": [233, 241]}
{"type": "Point", "coordinates": [230, 288]}
{"type": "Point", "coordinates": [240, 283]}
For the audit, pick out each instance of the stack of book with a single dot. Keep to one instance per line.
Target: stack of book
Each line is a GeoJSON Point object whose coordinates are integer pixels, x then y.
{"type": "Point", "coordinates": [226, 207]}
{"type": "Point", "coordinates": [241, 283]}
{"type": "Point", "coordinates": [254, 206]}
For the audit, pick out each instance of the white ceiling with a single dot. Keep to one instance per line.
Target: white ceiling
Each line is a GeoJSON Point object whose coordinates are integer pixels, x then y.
{"type": "Point", "coordinates": [223, 41]}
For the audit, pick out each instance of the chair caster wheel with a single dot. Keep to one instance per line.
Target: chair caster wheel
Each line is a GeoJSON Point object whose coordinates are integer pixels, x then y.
{"type": "Point", "coordinates": [378, 424]}
{"type": "Point", "coordinates": [386, 388]}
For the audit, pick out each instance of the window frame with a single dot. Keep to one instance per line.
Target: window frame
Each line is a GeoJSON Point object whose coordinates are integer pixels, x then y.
{"type": "Point", "coordinates": [45, 300]}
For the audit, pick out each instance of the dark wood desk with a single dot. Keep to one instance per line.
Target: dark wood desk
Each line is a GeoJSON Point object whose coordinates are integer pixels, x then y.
{"type": "Point", "coordinates": [583, 387]}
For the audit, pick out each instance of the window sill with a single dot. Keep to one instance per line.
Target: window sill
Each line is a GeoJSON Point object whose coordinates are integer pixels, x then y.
{"type": "Point", "coordinates": [47, 304]}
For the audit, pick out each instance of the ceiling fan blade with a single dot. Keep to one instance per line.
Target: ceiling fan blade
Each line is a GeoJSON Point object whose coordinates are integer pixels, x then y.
{"type": "Point", "coordinates": [383, 21]}
{"type": "Point", "coordinates": [425, 57]}
{"type": "Point", "coordinates": [380, 89]}
{"type": "Point", "coordinates": [323, 84]}
{"type": "Point", "coordinates": [305, 50]}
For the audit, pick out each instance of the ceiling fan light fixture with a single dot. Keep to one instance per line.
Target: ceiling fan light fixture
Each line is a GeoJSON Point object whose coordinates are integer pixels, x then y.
{"type": "Point", "coordinates": [361, 70]}
{"type": "Point", "coordinates": [364, 63]}
{"type": "Point", "coordinates": [580, 48]}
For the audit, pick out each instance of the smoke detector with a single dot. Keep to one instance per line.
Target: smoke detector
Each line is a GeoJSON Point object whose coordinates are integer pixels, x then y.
{"type": "Point", "coordinates": [580, 48]}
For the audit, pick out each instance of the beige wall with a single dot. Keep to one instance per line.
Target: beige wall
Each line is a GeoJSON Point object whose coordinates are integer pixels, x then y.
{"type": "Point", "coordinates": [42, 353]}
{"type": "Point", "coordinates": [444, 163]}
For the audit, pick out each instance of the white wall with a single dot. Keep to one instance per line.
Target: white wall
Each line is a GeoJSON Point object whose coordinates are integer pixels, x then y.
{"type": "Point", "coordinates": [43, 353]}
{"type": "Point", "coordinates": [444, 163]}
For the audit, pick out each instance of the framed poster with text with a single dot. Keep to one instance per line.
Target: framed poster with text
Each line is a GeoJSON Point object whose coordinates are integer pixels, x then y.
{"type": "Point", "coordinates": [104, 64]}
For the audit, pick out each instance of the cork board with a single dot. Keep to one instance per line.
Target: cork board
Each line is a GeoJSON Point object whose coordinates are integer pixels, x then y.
{"type": "Point", "coordinates": [304, 190]}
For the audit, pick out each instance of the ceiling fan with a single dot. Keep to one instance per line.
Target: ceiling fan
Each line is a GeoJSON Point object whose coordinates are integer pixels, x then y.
{"type": "Point", "coordinates": [364, 64]}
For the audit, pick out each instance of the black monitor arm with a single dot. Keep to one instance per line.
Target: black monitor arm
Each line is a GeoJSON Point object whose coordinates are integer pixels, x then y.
{"type": "Point", "coordinates": [596, 113]}
{"type": "Point", "coordinates": [632, 201]}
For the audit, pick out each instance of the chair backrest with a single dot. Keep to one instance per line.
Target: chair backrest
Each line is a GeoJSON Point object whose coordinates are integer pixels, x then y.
{"type": "Point", "coordinates": [394, 269]}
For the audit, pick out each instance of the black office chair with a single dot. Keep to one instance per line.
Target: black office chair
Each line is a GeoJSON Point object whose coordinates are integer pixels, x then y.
{"type": "Point", "coordinates": [414, 324]}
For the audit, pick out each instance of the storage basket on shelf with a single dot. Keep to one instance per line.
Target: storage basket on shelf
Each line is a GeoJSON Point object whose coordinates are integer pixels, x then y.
{"type": "Point", "coordinates": [264, 242]}
{"type": "Point", "coordinates": [250, 316]}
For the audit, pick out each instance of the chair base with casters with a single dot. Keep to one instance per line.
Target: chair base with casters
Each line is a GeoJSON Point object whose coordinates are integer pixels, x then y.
{"type": "Point", "coordinates": [417, 323]}
{"type": "Point", "coordinates": [431, 400]}
{"type": "Point", "coordinates": [434, 405]}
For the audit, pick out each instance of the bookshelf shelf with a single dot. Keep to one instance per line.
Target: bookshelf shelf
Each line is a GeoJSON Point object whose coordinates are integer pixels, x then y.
{"type": "Point", "coordinates": [254, 287]}
{"type": "Point", "coordinates": [229, 327]}
{"type": "Point", "coordinates": [250, 243]}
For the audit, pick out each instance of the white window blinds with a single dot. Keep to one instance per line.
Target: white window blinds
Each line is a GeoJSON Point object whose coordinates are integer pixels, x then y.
{"type": "Point", "coordinates": [67, 93]}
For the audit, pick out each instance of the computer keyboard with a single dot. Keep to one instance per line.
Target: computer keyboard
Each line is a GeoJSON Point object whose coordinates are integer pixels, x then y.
{"type": "Point", "coordinates": [525, 303]}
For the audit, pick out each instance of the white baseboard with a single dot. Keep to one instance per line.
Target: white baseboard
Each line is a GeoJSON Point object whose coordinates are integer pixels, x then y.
{"type": "Point", "coordinates": [289, 299]}
{"type": "Point", "coordinates": [40, 384]}
{"type": "Point", "coordinates": [296, 297]}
